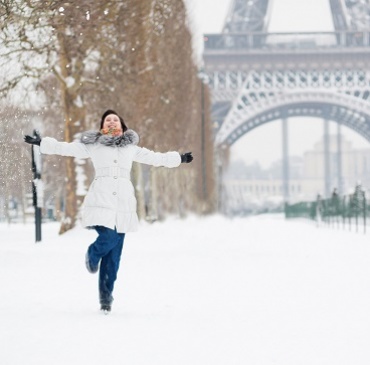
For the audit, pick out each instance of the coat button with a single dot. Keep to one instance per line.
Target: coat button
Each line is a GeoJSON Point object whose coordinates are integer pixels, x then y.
{"type": "Point", "coordinates": [115, 161]}
{"type": "Point", "coordinates": [115, 177]}
{"type": "Point", "coordinates": [114, 193]}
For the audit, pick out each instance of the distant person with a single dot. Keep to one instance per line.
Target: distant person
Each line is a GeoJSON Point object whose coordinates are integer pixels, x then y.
{"type": "Point", "coordinates": [110, 205]}
{"type": "Point", "coordinates": [335, 202]}
{"type": "Point", "coordinates": [319, 209]}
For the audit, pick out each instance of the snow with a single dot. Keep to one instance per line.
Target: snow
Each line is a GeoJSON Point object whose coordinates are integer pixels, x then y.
{"type": "Point", "coordinates": [70, 81]}
{"type": "Point", "coordinates": [37, 158]}
{"type": "Point", "coordinates": [40, 188]}
{"type": "Point", "coordinates": [78, 102]}
{"type": "Point", "coordinates": [208, 290]}
{"type": "Point", "coordinates": [80, 177]}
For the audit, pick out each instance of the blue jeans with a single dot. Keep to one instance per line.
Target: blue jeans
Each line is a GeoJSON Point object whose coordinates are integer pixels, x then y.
{"type": "Point", "coordinates": [107, 249]}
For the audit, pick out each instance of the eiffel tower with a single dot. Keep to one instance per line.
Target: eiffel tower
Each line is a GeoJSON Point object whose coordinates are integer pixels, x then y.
{"type": "Point", "coordinates": [257, 77]}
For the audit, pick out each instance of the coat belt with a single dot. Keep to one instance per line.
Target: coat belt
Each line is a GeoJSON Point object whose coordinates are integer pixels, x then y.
{"type": "Point", "coordinates": [114, 172]}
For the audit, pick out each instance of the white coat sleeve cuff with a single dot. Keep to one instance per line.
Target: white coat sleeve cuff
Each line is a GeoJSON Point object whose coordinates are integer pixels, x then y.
{"type": "Point", "coordinates": [174, 159]}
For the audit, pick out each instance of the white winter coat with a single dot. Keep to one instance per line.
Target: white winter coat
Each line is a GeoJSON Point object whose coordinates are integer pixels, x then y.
{"type": "Point", "coordinates": [110, 201]}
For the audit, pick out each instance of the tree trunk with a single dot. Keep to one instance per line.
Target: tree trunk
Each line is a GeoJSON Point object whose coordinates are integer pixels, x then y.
{"type": "Point", "coordinates": [137, 177]}
{"type": "Point", "coordinates": [74, 123]}
{"type": "Point", "coordinates": [74, 119]}
{"type": "Point", "coordinates": [153, 196]}
{"type": "Point", "coordinates": [73, 200]}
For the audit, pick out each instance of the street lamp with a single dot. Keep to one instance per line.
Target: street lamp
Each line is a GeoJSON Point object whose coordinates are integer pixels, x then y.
{"type": "Point", "coordinates": [37, 186]}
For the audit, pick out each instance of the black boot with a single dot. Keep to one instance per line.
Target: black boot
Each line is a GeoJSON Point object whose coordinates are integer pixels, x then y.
{"type": "Point", "coordinates": [106, 308]}
{"type": "Point", "coordinates": [106, 301]}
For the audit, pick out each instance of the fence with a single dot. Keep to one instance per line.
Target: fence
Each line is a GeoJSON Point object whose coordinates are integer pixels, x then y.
{"type": "Point", "coordinates": [350, 211]}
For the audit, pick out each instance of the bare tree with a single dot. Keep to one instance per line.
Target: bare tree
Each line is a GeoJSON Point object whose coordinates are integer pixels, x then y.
{"type": "Point", "coordinates": [15, 161]}
{"type": "Point", "coordinates": [134, 56]}
{"type": "Point", "coordinates": [66, 40]}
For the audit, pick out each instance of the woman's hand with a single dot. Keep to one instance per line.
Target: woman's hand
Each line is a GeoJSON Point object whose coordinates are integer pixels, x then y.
{"type": "Point", "coordinates": [186, 157]}
{"type": "Point", "coordinates": [33, 140]}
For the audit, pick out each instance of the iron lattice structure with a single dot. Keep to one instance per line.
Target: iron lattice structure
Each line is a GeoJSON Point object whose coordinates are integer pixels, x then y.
{"type": "Point", "coordinates": [262, 96]}
{"type": "Point", "coordinates": [256, 77]}
{"type": "Point", "coordinates": [254, 15]}
{"type": "Point", "coordinates": [247, 16]}
{"type": "Point", "coordinates": [350, 14]}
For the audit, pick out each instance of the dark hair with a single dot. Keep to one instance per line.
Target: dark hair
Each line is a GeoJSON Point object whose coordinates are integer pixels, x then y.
{"type": "Point", "coordinates": [109, 111]}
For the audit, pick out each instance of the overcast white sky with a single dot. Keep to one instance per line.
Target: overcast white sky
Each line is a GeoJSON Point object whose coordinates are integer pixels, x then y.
{"type": "Point", "coordinates": [261, 145]}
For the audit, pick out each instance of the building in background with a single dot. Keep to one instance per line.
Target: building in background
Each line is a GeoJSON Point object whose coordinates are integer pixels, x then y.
{"type": "Point", "coordinates": [355, 164]}
{"type": "Point", "coordinates": [249, 188]}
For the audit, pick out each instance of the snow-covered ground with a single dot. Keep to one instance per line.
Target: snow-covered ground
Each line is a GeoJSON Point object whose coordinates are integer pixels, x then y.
{"type": "Point", "coordinates": [199, 291]}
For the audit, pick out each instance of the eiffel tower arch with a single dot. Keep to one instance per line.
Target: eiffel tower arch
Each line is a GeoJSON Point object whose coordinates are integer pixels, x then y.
{"type": "Point", "coordinates": [257, 77]}
{"type": "Point", "coordinates": [265, 96]}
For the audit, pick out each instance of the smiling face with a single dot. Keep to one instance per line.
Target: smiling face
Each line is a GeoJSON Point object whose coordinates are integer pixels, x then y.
{"type": "Point", "coordinates": [112, 122]}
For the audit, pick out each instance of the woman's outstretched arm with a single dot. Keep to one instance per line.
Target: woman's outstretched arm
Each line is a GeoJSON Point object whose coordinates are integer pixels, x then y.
{"type": "Point", "coordinates": [167, 159]}
{"type": "Point", "coordinates": [51, 146]}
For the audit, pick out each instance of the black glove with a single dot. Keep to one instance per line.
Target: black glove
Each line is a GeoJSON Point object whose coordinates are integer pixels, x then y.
{"type": "Point", "coordinates": [186, 157]}
{"type": "Point", "coordinates": [33, 140]}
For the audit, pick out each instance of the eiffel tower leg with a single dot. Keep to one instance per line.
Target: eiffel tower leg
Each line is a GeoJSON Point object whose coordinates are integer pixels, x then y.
{"type": "Point", "coordinates": [327, 159]}
{"type": "Point", "coordinates": [285, 160]}
{"type": "Point", "coordinates": [339, 159]}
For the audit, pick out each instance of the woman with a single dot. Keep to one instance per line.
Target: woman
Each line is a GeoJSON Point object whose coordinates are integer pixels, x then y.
{"type": "Point", "coordinates": [110, 205]}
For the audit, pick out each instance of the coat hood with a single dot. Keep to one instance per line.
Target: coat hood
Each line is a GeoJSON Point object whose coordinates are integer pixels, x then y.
{"type": "Point", "coordinates": [127, 138]}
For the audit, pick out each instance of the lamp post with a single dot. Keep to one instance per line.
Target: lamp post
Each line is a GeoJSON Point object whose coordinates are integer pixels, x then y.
{"type": "Point", "coordinates": [204, 80]}
{"type": "Point", "coordinates": [37, 186]}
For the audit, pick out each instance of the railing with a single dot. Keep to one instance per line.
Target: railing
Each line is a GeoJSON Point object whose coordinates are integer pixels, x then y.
{"type": "Point", "coordinates": [286, 41]}
{"type": "Point", "coordinates": [351, 211]}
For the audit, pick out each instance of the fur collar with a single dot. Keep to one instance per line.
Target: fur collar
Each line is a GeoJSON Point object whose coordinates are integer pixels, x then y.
{"type": "Point", "coordinates": [127, 138]}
